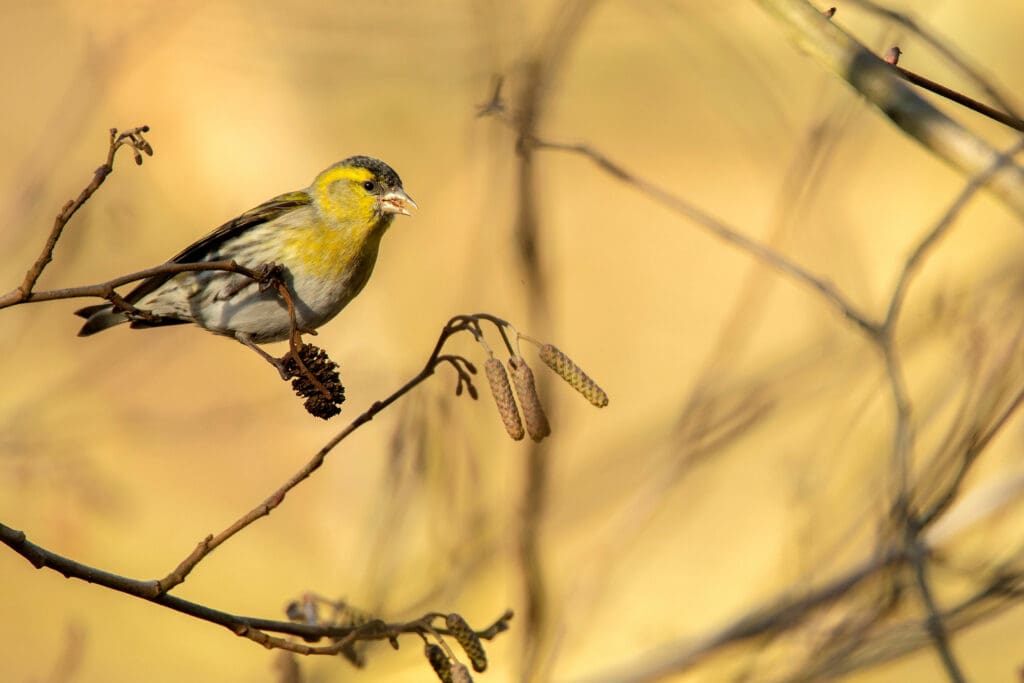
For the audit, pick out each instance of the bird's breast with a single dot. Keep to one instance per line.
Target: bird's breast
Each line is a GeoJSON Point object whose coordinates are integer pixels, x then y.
{"type": "Point", "coordinates": [330, 267]}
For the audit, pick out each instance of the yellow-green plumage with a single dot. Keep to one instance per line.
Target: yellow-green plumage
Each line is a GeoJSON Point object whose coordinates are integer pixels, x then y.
{"type": "Point", "coordinates": [325, 237]}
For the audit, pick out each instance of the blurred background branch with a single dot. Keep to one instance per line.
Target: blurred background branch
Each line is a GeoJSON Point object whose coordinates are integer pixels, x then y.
{"type": "Point", "coordinates": [839, 52]}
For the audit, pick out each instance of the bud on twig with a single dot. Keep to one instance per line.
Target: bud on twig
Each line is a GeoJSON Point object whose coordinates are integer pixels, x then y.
{"type": "Point", "coordinates": [565, 368]}
{"type": "Point", "coordinates": [892, 55]}
{"type": "Point", "coordinates": [503, 398]}
{"type": "Point", "coordinates": [533, 412]}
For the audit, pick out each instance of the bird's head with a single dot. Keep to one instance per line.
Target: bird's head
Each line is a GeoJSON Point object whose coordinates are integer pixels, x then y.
{"type": "Point", "coordinates": [361, 190]}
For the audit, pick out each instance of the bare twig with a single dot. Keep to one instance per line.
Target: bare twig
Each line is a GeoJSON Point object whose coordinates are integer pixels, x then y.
{"type": "Point", "coordinates": [253, 628]}
{"type": "Point", "coordinates": [106, 290]}
{"type": "Point", "coordinates": [936, 628]}
{"type": "Point", "coordinates": [131, 138]}
{"type": "Point", "coordinates": [774, 618]}
{"type": "Point", "coordinates": [960, 98]}
{"type": "Point", "coordinates": [723, 231]}
{"type": "Point", "coordinates": [884, 87]}
{"type": "Point", "coordinates": [68, 662]}
{"type": "Point", "coordinates": [903, 437]}
{"type": "Point", "coordinates": [971, 452]}
{"type": "Point", "coordinates": [903, 432]}
{"type": "Point", "coordinates": [940, 45]}
{"type": "Point", "coordinates": [541, 71]}
{"type": "Point", "coordinates": [976, 183]}
{"type": "Point", "coordinates": [211, 542]}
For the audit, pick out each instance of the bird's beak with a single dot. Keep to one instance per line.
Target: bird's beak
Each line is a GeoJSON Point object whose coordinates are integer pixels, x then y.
{"type": "Point", "coordinates": [397, 201]}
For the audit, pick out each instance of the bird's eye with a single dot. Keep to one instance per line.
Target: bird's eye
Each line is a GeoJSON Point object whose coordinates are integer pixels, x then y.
{"type": "Point", "coordinates": [369, 186]}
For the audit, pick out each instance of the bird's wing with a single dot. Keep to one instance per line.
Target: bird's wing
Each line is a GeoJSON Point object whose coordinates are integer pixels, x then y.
{"type": "Point", "coordinates": [203, 249]}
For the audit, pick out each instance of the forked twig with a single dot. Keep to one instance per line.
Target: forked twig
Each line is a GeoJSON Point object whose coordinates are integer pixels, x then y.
{"type": "Point", "coordinates": [131, 138]}
{"type": "Point", "coordinates": [885, 88]}
{"type": "Point", "coordinates": [253, 628]}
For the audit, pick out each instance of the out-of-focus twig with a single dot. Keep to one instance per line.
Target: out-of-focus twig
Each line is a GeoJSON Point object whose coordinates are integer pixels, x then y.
{"type": "Point", "coordinates": [934, 619]}
{"type": "Point", "coordinates": [942, 46]}
{"type": "Point", "coordinates": [960, 98]}
{"type": "Point", "coordinates": [928, 242]}
{"type": "Point", "coordinates": [838, 51]}
{"type": "Point", "coordinates": [541, 70]}
{"type": "Point", "coordinates": [758, 622]}
{"type": "Point", "coordinates": [723, 231]}
{"type": "Point", "coordinates": [68, 662]}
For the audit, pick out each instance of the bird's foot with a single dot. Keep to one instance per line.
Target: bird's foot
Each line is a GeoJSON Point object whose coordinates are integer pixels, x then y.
{"type": "Point", "coordinates": [278, 363]}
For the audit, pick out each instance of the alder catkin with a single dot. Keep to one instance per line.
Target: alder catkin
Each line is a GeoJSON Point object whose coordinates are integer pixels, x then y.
{"type": "Point", "coordinates": [503, 398]}
{"type": "Point", "coordinates": [439, 662]}
{"type": "Point", "coordinates": [565, 368]}
{"type": "Point", "coordinates": [469, 641]}
{"type": "Point", "coordinates": [533, 412]}
{"type": "Point", "coordinates": [460, 674]}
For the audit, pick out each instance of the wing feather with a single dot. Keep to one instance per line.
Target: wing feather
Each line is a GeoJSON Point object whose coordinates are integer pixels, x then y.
{"type": "Point", "coordinates": [201, 250]}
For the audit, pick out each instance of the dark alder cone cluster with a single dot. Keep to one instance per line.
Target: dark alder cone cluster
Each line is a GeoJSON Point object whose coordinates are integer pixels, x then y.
{"type": "Point", "coordinates": [317, 381]}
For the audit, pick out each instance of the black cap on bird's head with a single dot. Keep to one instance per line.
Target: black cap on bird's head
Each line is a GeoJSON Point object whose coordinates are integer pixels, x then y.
{"type": "Point", "coordinates": [384, 173]}
{"type": "Point", "coordinates": [392, 196]}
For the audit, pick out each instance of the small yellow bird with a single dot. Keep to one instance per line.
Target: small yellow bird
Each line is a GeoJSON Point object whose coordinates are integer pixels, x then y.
{"type": "Point", "coordinates": [325, 238]}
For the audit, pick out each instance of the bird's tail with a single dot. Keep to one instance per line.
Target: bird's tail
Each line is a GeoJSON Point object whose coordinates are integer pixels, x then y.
{"type": "Point", "coordinates": [99, 318]}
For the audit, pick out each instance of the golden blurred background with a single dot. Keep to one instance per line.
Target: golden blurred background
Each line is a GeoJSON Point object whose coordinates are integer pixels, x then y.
{"type": "Point", "coordinates": [745, 457]}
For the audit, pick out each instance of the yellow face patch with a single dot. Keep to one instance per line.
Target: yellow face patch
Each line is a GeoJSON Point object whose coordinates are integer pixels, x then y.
{"type": "Point", "coordinates": [347, 226]}
{"type": "Point", "coordinates": [341, 197]}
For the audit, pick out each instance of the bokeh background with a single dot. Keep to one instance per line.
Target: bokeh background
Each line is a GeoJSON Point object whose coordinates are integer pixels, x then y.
{"type": "Point", "coordinates": [745, 455]}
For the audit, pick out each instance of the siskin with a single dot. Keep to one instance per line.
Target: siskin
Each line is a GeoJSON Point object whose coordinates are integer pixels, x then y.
{"type": "Point", "coordinates": [325, 239]}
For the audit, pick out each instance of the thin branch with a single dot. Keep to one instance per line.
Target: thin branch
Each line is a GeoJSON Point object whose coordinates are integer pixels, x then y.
{"type": "Point", "coordinates": [941, 46]}
{"type": "Point", "coordinates": [936, 628]}
{"type": "Point", "coordinates": [541, 71]}
{"type": "Point", "coordinates": [723, 231]}
{"type": "Point", "coordinates": [998, 593]}
{"type": "Point", "coordinates": [970, 456]}
{"type": "Point", "coordinates": [253, 628]}
{"type": "Point", "coordinates": [782, 615]}
{"type": "Point", "coordinates": [838, 51]}
{"type": "Point", "coordinates": [131, 138]}
{"type": "Point", "coordinates": [903, 432]}
{"type": "Point", "coordinates": [960, 98]}
{"type": "Point", "coordinates": [105, 290]}
{"type": "Point", "coordinates": [976, 183]}
{"type": "Point", "coordinates": [211, 542]}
